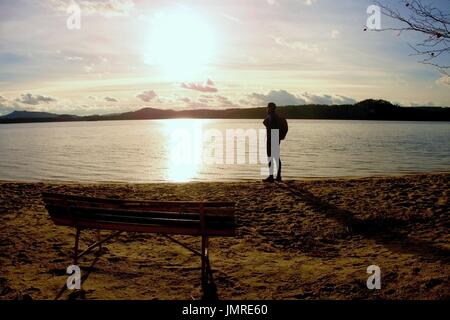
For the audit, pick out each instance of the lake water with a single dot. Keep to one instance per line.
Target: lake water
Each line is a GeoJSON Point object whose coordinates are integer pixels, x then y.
{"type": "Point", "coordinates": [190, 150]}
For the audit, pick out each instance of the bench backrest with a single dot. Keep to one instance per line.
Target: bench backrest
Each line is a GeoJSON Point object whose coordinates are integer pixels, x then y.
{"type": "Point", "coordinates": [169, 217]}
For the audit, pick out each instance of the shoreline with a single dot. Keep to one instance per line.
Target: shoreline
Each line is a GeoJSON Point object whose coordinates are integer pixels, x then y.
{"type": "Point", "coordinates": [303, 239]}
{"type": "Point", "coordinates": [324, 178]}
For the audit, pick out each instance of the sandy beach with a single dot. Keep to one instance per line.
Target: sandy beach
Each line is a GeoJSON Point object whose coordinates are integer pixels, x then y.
{"type": "Point", "coordinates": [296, 240]}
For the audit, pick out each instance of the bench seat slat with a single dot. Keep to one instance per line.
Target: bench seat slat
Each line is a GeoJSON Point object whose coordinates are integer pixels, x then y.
{"type": "Point", "coordinates": [219, 211]}
{"type": "Point", "coordinates": [212, 204]}
{"type": "Point", "coordinates": [61, 210]}
{"type": "Point", "coordinates": [130, 227]}
{"type": "Point", "coordinates": [148, 220]}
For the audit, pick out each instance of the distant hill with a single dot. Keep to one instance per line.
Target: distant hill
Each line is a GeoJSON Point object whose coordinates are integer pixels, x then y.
{"type": "Point", "coordinates": [34, 116]}
{"type": "Point", "coordinates": [365, 110]}
{"type": "Point", "coordinates": [29, 115]}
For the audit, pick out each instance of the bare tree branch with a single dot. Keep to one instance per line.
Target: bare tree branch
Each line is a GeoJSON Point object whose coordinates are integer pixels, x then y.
{"type": "Point", "coordinates": [425, 19]}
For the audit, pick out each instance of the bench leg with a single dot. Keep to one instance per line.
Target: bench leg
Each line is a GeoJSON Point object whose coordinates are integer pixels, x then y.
{"type": "Point", "coordinates": [205, 263]}
{"type": "Point", "coordinates": [99, 238]}
{"type": "Point", "coordinates": [75, 249]}
{"type": "Point", "coordinates": [208, 285]}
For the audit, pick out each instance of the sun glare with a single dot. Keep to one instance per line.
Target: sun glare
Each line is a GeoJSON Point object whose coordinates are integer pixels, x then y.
{"type": "Point", "coordinates": [181, 44]}
{"type": "Point", "coordinates": [184, 145]}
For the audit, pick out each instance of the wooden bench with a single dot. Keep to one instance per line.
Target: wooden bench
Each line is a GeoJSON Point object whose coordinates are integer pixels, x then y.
{"type": "Point", "coordinates": [194, 218]}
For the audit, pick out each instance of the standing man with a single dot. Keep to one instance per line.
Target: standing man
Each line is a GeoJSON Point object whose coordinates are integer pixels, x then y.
{"type": "Point", "coordinates": [276, 127]}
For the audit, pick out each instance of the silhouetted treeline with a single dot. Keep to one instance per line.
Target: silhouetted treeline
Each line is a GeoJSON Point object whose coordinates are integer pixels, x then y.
{"type": "Point", "coordinates": [364, 110]}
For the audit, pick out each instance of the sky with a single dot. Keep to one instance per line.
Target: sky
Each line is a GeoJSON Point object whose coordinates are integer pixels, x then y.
{"type": "Point", "coordinates": [122, 55]}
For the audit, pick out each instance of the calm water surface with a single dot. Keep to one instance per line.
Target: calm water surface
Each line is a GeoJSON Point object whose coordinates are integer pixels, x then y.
{"type": "Point", "coordinates": [185, 150]}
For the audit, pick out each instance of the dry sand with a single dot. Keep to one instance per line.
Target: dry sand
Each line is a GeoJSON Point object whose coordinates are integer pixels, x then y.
{"type": "Point", "coordinates": [296, 240]}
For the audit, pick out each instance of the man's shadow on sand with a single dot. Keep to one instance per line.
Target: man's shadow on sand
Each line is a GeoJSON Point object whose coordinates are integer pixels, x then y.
{"type": "Point", "coordinates": [388, 232]}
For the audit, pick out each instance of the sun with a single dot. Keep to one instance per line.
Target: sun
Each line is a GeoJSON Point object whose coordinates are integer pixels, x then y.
{"type": "Point", "coordinates": [181, 43]}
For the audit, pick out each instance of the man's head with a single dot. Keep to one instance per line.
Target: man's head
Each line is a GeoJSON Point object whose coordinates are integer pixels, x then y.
{"type": "Point", "coordinates": [271, 107]}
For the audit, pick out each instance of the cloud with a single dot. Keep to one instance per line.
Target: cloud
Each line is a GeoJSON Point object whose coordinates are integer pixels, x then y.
{"type": "Point", "coordinates": [88, 69]}
{"type": "Point", "coordinates": [198, 105]}
{"type": "Point", "coordinates": [428, 104]}
{"type": "Point", "coordinates": [309, 2]}
{"type": "Point", "coordinates": [327, 99]}
{"type": "Point", "coordinates": [317, 99]}
{"type": "Point", "coordinates": [147, 96]}
{"type": "Point", "coordinates": [185, 100]}
{"type": "Point", "coordinates": [295, 45]}
{"type": "Point", "coordinates": [444, 80]}
{"type": "Point", "coordinates": [207, 87]}
{"type": "Point", "coordinates": [74, 58]}
{"type": "Point", "coordinates": [334, 34]}
{"type": "Point", "coordinates": [244, 102]}
{"type": "Point", "coordinates": [210, 102]}
{"type": "Point", "coordinates": [30, 99]}
{"type": "Point", "coordinates": [275, 2]}
{"type": "Point", "coordinates": [285, 98]}
{"type": "Point", "coordinates": [5, 107]}
{"type": "Point", "coordinates": [107, 8]}
{"type": "Point", "coordinates": [226, 103]}
{"type": "Point", "coordinates": [109, 99]}
{"type": "Point", "coordinates": [343, 100]}
{"type": "Point", "coordinates": [281, 97]}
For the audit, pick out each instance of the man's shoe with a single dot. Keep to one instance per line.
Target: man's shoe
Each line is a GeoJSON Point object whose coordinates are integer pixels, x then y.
{"type": "Point", "coordinates": [269, 179]}
{"type": "Point", "coordinates": [279, 179]}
